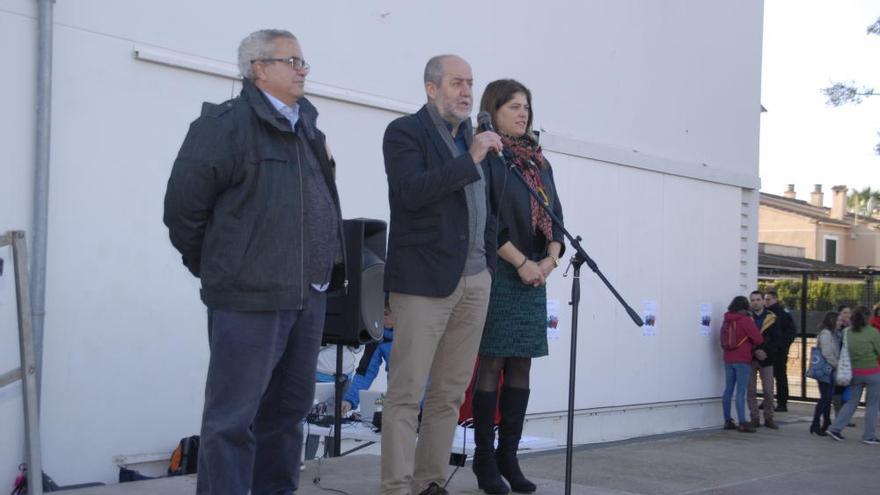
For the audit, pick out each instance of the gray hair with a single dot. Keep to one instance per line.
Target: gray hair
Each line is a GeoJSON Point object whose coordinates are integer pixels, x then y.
{"type": "Point", "coordinates": [434, 69]}
{"type": "Point", "coordinates": [258, 45]}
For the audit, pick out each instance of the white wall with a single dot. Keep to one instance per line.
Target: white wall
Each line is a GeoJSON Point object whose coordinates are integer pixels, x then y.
{"type": "Point", "coordinates": [651, 118]}
{"type": "Point", "coordinates": [16, 193]}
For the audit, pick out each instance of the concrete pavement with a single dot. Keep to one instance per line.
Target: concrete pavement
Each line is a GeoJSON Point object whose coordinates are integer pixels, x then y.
{"type": "Point", "coordinates": [787, 461]}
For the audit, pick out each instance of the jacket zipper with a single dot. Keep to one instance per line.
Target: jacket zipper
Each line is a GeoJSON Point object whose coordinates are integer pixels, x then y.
{"type": "Point", "coordinates": [302, 265]}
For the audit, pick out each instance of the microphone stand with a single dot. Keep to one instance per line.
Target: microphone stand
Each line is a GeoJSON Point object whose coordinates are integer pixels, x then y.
{"type": "Point", "coordinates": [579, 258]}
{"type": "Point", "coordinates": [339, 379]}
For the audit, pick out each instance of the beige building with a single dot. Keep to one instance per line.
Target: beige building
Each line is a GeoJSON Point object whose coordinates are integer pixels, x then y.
{"type": "Point", "coordinates": [832, 235]}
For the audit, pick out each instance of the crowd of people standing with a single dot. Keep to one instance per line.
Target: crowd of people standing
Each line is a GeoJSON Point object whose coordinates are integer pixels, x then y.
{"type": "Point", "coordinates": [755, 337]}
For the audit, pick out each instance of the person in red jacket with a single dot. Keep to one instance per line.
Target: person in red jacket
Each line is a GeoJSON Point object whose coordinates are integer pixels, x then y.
{"type": "Point", "coordinates": [739, 335]}
{"type": "Point", "coordinates": [875, 316]}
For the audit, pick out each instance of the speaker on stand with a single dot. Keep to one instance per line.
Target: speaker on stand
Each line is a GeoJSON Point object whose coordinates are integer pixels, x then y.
{"type": "Point", "coordinates": [354, 314]}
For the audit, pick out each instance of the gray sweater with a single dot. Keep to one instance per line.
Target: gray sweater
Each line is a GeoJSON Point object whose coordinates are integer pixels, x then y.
{"type": "Point", "coordinates": [829, 344]}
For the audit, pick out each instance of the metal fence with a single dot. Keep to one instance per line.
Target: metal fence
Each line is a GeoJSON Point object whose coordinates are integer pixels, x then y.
{"type": "Point", "coordinates": [808, 295]}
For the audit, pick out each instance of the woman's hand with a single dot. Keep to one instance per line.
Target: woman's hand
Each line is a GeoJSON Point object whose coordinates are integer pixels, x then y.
{"type": "Point", "coordinates": [546, 265]}
{"type": "Point", "coordinates": [531, 274]}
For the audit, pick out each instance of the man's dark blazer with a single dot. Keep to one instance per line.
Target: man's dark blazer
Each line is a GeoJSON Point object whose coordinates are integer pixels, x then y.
{"type": "Point", "coordinates": [428, 238]}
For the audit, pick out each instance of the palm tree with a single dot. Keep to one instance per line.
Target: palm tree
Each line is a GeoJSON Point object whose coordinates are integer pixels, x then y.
{"type": "Point", "coordinates": [864, 202]}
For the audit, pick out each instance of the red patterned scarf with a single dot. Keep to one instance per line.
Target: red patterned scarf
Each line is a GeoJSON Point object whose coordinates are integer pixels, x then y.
{"type": "Point", "coordinates": [525, 153]}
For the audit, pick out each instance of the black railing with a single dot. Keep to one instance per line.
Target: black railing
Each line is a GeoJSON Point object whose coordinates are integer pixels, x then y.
{"type": "Point", "coordinates": [808, 295]}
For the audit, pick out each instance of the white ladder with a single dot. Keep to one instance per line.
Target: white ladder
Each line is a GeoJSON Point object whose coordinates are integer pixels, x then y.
{"type": "Point", "coordinates": [27, 371]}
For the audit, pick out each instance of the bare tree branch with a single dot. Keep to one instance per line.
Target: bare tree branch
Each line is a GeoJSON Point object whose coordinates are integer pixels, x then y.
{"type": "Point", "coordinates": [875, 28]}
{"type": "Point", "coordinates": [841, 93]}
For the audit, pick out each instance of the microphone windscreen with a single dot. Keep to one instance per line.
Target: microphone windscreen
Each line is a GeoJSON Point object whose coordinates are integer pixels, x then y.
{"type": "Point", "coordinates": [484, 121]}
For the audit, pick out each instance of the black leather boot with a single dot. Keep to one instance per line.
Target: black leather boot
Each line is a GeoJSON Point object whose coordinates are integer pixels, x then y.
{"type": "Point", "coordinates": [513, 413]}
{"type": "Point", "coordinates": [484, 465]}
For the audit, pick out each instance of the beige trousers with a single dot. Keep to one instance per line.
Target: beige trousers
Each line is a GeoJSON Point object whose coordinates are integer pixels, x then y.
{"type": "Point", "coordinates": [435, 347]}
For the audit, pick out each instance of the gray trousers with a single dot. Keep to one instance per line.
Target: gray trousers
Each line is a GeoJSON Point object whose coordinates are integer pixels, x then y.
{"type": "Point", "coordinates": [260, 387]}
{"type": "Point", "coordinates": [858, 384]}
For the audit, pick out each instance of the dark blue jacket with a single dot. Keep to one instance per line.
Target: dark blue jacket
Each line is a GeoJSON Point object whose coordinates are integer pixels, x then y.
{"type": "Point", "coordinates": [770, 329]}
{"type": "Point", "coordinates": [428, 234]}
{"type": "Point", "coordinates": [786, 323]}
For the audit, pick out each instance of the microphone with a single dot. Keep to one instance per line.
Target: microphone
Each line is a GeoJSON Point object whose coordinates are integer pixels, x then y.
{"type": "Point", "coordinates": [484, 123]}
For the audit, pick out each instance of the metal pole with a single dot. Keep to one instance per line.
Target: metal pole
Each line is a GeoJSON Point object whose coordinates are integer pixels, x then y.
{"type": "Point", "coordinates": [339, 378]}
{"type": "Point", "coordinates": [804, 281]}
{"type": "Point", "coordinates": [28, 367]}
{"type": "Point", "coordinates": [41, 181]}
{"type": "Point", "coordinates": [869, 288]}
{"type": "Point", "coordinates": [572, 368]}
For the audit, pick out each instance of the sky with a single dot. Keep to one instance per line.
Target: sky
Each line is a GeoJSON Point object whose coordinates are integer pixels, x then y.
{"type": "Point", "coordinates": [808, 44]}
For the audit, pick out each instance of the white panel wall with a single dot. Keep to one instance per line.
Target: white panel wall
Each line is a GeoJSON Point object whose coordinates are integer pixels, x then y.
{"type": "Point", "coordinates": [125, 351]}
{"type": "Point", "coordinates": [650, 237]}
{"type": "Point", "coordinates": [675, 78]}
{"type": "Point", "coordinates": [125, 348]}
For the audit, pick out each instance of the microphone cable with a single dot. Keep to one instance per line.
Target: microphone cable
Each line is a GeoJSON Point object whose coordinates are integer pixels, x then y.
{"type": "Point", "coordinates": [464, 430]}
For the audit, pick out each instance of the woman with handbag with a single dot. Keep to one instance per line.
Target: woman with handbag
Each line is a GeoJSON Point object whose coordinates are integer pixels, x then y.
{"type": "Point", "coordinates": [828, 342]}
{"type": "Point", "coordinates": [841, 393]}
{"type": "Point", "coordinates": [739, 335]}
{"type": "Point", "coordinates": [862, 342]}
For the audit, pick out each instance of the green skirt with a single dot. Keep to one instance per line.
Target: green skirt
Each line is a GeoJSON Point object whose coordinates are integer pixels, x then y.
{"type": "Point", "coordinates": [516, 325]}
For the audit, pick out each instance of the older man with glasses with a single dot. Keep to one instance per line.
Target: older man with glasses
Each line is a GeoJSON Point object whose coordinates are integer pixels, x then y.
{"type": "Point", "coordinates": [252, 207]}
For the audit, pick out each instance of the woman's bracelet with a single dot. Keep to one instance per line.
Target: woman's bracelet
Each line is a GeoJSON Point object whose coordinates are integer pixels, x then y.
{"type": "Point", "coordinates": [525, 259]}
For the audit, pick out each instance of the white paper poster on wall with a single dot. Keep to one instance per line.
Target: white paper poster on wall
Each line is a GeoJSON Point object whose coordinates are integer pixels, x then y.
{"type": "Point", "coordinates": [649, 316]}
{"type": "Point", "coordinates": [552, 319]}
{"type": "Point", "coordinates": [706, 319]}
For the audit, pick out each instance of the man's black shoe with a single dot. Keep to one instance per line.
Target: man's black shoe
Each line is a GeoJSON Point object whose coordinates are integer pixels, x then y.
{"type": "Point", "coordinates": [434, 489]}
{"type": "Point", "coordinates": [781, 408]}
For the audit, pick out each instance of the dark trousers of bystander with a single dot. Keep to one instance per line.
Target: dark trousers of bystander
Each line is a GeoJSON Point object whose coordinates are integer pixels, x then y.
{"type": "Point", "coordinates": [823, 408]}
{"type": "Point", "coordinates": [260, 387]}
{"type": "Point", "coordinates": [780, 374]}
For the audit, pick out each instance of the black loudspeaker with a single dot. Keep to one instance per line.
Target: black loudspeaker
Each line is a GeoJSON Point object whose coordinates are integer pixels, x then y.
{"type": "Point", "coordinates": [354, 316]}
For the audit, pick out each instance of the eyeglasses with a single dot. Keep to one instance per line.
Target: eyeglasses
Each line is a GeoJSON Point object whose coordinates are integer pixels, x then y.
{"type": "Point", "coordinates": [294, 62]}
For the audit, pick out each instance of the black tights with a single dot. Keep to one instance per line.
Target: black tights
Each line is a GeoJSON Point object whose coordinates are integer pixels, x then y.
{"type": "Point", "coordinates": [516, 372]}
